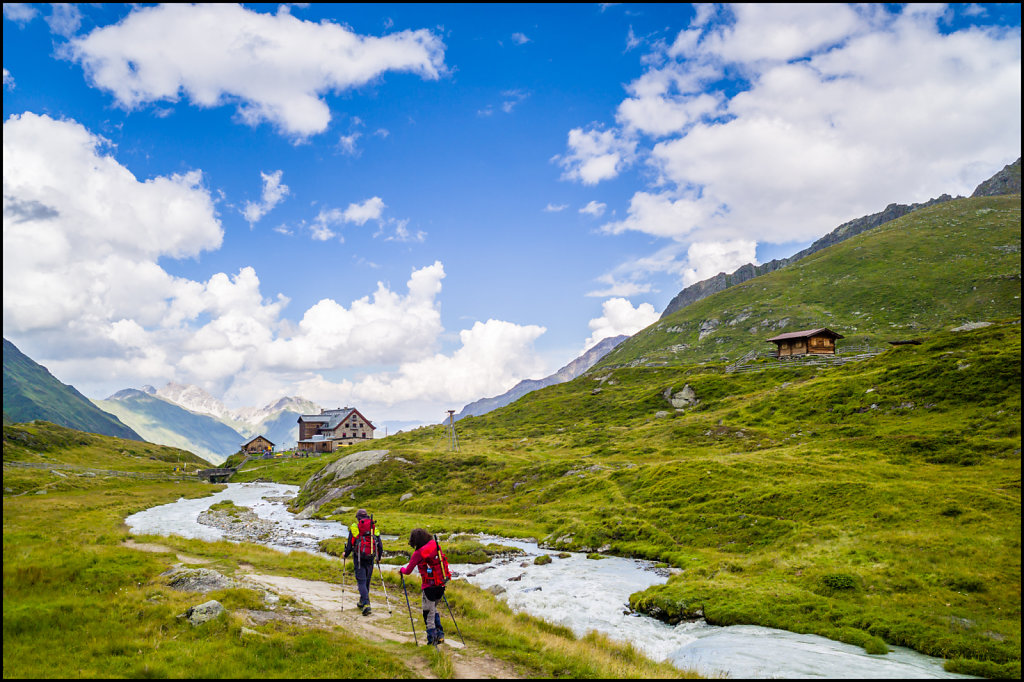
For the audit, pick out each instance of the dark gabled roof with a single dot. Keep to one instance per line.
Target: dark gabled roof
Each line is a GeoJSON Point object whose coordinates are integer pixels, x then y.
{"type": "Point", "coordinates": [255, 438]}
{"type": "Point", "coordinates": [332, 418]}
{"type": "Point", "coordinates": [805, 334]}
{"type": "Point", "coordinates": [363, 418]}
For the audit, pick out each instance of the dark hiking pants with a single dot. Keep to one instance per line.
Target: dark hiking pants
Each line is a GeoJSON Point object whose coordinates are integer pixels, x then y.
{"type": "Point", "coordinates": [364, 571]}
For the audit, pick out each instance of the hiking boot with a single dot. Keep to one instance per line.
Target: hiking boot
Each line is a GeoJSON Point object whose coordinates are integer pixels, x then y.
{"type": "Point", "coordinates": [360, 604]}
{"type": "Point", "coordinates": [439, 637]}
{"type": "Point", "coordinates": [431, 636]}
{"type": "Point", "coordinates": [366, 610]}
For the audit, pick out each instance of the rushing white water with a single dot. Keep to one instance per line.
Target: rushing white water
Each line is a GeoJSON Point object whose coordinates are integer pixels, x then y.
{"type": "Point", "coordinates": [583, 595]}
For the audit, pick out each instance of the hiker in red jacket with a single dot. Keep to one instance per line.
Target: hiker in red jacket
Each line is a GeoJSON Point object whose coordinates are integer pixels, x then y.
{"type": "Point", "coordinates": [433, 568]}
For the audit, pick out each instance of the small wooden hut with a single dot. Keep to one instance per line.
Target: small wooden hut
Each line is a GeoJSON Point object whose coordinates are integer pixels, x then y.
{"type": "Point", "coordinates": [257, 445]}
{"type": "Point", "coordinates": [807, 342]}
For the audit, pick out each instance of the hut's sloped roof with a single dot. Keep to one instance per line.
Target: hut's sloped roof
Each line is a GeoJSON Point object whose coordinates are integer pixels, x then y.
{"type": "Point", "coordinates": [331, 418]}
{"type": "Point", "coordinates": [806, 333]}
{"type": "Point", "coordinates": [256, 438]}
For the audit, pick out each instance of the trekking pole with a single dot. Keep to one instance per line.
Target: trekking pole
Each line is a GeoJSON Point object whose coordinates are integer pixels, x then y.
{"type": "Point", "coordinates": [445, 597]}
{"type": "Point", "coordinates": [382, 585]}
{"type": "Point", "coordinates": [413, 625]}
{"type": "Point", "coordinates": [344, 561]}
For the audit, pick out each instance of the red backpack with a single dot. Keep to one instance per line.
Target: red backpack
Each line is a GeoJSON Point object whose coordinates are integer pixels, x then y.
{"type": "Point", "coordinates": [364, 542]}
{"type": "Point", "coordinates": [434, 569]}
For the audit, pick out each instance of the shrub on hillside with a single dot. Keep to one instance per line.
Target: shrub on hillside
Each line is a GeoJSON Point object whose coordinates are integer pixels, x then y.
{"type": "Point", "coordinates": [839, 581]}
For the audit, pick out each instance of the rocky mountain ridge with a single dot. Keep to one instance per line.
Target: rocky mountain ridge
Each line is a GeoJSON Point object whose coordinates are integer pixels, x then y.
{"type": "Point", "coordinates": [31, 392]}
{"type": "Point", "coordinates": [248, 421]}
{"type": "Point", "coordinates": [164, 422]}
{"type": "Point", "coordinates": [566, 373]}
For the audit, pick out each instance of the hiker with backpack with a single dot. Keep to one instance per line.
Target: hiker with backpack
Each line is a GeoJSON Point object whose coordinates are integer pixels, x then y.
{"type": "Point", "coordinates": [433, 568]}
{"type": "Point", "coordinates": [364, 542]}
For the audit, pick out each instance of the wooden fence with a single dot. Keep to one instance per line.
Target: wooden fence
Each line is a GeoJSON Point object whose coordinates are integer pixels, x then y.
{"type": "Point", "coordinates": [768, 361]}
{"type": "Point", "coordinates": [101, 472]}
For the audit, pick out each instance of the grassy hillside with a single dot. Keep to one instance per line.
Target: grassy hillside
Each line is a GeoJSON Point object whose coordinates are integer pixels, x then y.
{"type": "Point", "coordinates": [31, 392]}
{"type": "Point", "coordinates": [52, 445]}
{"type": "Point", "coordinates": [160, 421]}
{"type": "Point", "coordinates": [877, 502]}
{"type": "Point", "coordinates": [938, 267]}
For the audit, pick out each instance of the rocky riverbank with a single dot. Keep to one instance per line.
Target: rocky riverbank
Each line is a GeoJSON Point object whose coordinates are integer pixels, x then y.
{"type": "Point", "coordinates": [243, 525]}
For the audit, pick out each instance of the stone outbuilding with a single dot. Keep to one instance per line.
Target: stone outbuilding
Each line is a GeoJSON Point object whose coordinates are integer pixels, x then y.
{"type": "Point", "coordinates": [807, 342]}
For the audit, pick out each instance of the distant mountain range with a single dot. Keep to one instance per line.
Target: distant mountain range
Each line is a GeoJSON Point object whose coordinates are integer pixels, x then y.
{"type": "Point", "coordinates": [567, 373]}
{"type": "Point", "coordinates": [181, 413]}
{"type": "Point", "coordinates": [1006, 181]}
{"type": "Point", "coordinates": [163, 422]}
{"type": "Point", "coordinates": [31, 392]}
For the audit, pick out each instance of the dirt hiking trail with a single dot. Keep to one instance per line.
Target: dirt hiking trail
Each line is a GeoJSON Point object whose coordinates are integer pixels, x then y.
{"type": "Point", "coordinates": [337, 605]}
{"type": "Point", "coordinates": [332, 605]}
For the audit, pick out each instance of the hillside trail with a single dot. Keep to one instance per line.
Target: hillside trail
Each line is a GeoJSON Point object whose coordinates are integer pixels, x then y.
{"type": "Point", "coordinates": [334, 605]}
{"type": "Point", "coordinates": [337, 605]}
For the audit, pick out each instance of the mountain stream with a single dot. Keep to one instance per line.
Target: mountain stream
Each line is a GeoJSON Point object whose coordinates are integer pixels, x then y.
{"type": "Point", "coordinates": [581, 594]}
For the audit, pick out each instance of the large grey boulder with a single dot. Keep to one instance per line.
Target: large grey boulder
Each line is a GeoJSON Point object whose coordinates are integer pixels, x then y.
{"type": "Point", "coordinates": [683, 399]}
{"type": "Point", "coordinates": [207, 611]}
{"type": "Point", "coordinates": [346, 466]}
{"type": "Point", "coordinates": [331, 494]}
{"type": "Point", "coordinates": [198, 580]}
{"type": "Point", "coordinates": [337, 470]}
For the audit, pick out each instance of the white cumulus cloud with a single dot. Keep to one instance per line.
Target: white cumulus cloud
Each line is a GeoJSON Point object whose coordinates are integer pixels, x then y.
{"type": "Point", "coordinates": [494, 356]}
{"type": "Point", "coordinates": [619, 317]}
{"type": "Point", "coordinates": [707, 259]}
{"type": "Point", "coordinates": [85, 294]}
{"type": "Point", "coordinates": [828, 113]}
{"type": "Point", "coordinates": [274, 192]}
{"type": "Point", "coordinates": [595, 155]}
{"type": "Point", "coordinates": [358, 213]}
{"type": "Point", "coordinates": [20, 12]}
{"type": "Point", "coordinates": [275, 67]}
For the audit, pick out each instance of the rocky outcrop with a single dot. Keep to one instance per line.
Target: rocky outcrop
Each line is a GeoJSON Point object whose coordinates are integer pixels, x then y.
{"type": "Point", "coordinates": [682, 399]}
{"type": "Point", "coordinates": [201, 580]}
{"type": "Point", "coordinates": [321, 485]}
{"type": "Point", "coordinates": [207, 611]}
{"type": "Point", "coordinates": [1006, 181]}
{"type": "Point", "coordinates": [345, 467]}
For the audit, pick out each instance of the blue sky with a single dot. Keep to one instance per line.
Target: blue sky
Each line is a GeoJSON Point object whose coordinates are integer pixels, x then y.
{"type": "Point", "coordinates": [409, 207]}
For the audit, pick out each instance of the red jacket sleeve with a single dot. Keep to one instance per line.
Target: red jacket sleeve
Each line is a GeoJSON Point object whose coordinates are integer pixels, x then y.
{"type": "Point", "coordinates": [414, 560]}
